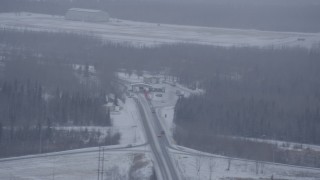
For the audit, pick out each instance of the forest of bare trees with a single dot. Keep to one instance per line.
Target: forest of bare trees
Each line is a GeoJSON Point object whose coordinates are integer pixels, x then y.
{"type": "Point", "coordinates": [267, 93]}
{"type": "Point", "coordinates": [41, 90]}
{"type": "Point", "coordinates": [253, 93]}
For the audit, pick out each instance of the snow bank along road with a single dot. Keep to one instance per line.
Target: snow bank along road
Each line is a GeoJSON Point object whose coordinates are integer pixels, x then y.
{"type": "Point", "coordinates": [150, 34]}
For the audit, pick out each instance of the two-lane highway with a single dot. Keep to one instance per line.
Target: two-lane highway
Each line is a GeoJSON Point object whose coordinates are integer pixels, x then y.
{"type": "Point", "coordinates": [158, 143]}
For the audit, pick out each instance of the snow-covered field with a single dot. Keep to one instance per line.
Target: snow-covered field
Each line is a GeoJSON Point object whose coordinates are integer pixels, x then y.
{"type": "Point", "coordinates": [78, 166]}
{"type": "Point", "coordinates": [283, 144]}
{"type": "Point", "coordinates": [126, 122]}
{"type": "Point", "coordinates": [150, 34]}
{"type": "Point", "coordinates": [85, 164]}
{"type": "Point", "coordinates": [200, 167]}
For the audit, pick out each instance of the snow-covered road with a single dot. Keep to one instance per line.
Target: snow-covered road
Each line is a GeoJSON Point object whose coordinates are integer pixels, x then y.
{"type": "Point", "coordinates": [150, 34]}
{"type": "Point", "coordinates": [158, 143]}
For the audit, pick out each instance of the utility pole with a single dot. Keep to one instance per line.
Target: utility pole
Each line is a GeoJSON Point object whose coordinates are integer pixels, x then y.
{"type": "Point", "coordinates": [102, 163]}
{"type": "Point", "coordinates": [99, 162]}
{"type": "Point", "coordinates": [53, 168]}
{"type": "Point", "coordinates": [40, 138]}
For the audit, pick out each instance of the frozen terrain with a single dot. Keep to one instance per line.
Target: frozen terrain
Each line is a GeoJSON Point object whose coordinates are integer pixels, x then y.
{"type": "Point", "coordinates": [193, 164]}
{"type": "Point", "coordinates": [219, 167]}
{"type": "Point", "coordinates": [83, 165]}
{"type": "Point", "coordinates": [125, 121]}
{"type": "Point", "coordinates": [150, 34]}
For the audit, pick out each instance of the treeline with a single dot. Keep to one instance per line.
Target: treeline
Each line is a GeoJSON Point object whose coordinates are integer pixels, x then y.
{"type": "Point", "coordinates": [270, 93]}
{"type": "Point", "coordinates": [27, 54]}
{"type": "Point", "coordinates": [48, 80]}
{"type": "Point", "coordinates": [253, 92]}
{"type": "Point", "coordinates": [39, 79]}
{"type": "Point", "coordinates": [248, 14]}
{"type": "Point", "coordinates": [32, 140]}
{"type": "Point", "coordinates": [29, 105]}
{"type": "Point", "coordinates": [257, 93]}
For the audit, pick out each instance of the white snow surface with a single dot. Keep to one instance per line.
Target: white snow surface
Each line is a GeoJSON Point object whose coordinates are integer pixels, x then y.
{"type": "Point", "coordinates": [73, 166]}
{"type": "Point", "coordinates": [283, 144]}
{"type": "Point", "coordinates": [127, 123]}
{"type": "Point", "coordinates": [189, 166]}
{"type": "Point", "coordinates": [152, 34]}
{"type": "Point", "coordinates": [85, 164]}
{"type": "Point", "coordinates": [133, 78]}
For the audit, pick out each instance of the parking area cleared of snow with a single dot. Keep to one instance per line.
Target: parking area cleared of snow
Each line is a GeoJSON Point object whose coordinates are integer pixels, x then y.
{"type": "Point", "coordinates": [150, 34]}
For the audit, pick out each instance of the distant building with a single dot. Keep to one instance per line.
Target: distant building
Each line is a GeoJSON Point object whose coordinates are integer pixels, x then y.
{"type": "Point", "coordinates": [88, 15]}
{"type": "Point", "coordinates": [141, 87]}
{"type": "Point", "coordinates": [151, 80]}
{"type": "Point", "coordinates": [158, 89]}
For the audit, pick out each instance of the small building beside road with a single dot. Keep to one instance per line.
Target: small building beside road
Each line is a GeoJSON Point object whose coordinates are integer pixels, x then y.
{"type": "Point", "coordinates": [151, 80]}
{"type": "Point", "coordinates": [141, 87]}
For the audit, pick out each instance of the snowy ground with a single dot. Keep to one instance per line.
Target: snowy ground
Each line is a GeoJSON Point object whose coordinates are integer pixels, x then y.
{"type": "Point", "coordinates": [84, 165]}
{"type": "Point", "coordinates": [164, 105]}
{"type": "Point", "coordinates": [78, 166]}
{"type": "Point", "coordinates": [133, 78]}
{"type": "Point", "coordinates": [283, 144]}
{"type": "Point", "coordinates": [188, 160]}
{"type": "Point", "coordinates": [191, 164]}
{"type": "Point", "coordinates": [188, 164]}
{"type": "Point", "coordinates": [198, 167]}
{"type": "Point", "coordinates": [150, 34]}
{"type": "Point", "coordinates": [126, 122]}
